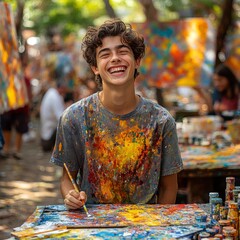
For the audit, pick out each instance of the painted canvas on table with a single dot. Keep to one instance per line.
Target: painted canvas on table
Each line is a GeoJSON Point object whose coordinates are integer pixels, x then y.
{"type": "Point", "coordinates": [113, 220]}
{"type": "Point", "coordinates": [115, 215]}
{"type": "Point", "coordinates": [178, 53]}
{"type": "Point", "coordinates": [13, 92]}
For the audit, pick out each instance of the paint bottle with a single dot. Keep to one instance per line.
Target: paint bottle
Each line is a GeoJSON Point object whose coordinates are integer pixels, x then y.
{"type": "Point", "coordinates": [236, 191]}
{"type": "Point", "coordinates": [222, 224]}
{"type": "Point", "coordinates": [230, 184]}
{"type": "Point", "coordinates": [233, 215]}
{"type": "Point", "coordinates": [211, 196]}
{"type": "Point", "coordinates": [223, 212]}
{"type": "Point", "coordinates": [215, 211]}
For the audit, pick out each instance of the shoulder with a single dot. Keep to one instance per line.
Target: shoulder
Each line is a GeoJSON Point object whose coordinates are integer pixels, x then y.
{"type": "Point", "coordinates": [80, 107]}
{"type": "Point", "coordinates": [157, 111]}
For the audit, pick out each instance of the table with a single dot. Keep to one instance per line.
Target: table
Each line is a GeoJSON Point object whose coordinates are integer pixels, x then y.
{"type": "Point", "coordinates": [107, 221]}
{"type": "Point", "coordinates": [205, 170]}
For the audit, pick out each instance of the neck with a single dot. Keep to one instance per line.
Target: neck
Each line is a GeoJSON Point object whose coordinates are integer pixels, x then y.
{"type": "Point", "coordinates": [119, 103]}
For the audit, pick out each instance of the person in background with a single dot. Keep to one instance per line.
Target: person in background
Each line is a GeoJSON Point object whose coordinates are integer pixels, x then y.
{"type": "Point", "coordinates": [123, 147]}
{"type": "Point", "coordinates": [226, 92]}
{"type": "Point", "coordinates": [52, 107]}
{"type": "Point", "coordinates": [19, 119]}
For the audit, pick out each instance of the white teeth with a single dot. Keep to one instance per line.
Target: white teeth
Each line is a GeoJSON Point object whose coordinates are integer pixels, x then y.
{"type": "Point", "coordinates": [117, 69]}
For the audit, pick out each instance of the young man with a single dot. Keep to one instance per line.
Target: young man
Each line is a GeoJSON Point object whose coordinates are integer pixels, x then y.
{"type": "Point", "coordinates": [122, 147]}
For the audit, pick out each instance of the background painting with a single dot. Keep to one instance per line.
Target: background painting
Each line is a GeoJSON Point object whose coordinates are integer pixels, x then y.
{"type": "Point", "coordinates": [13, 92]}
{"type": "Point", "coordinates": [233, 50]}
{"type": "Point", "coordinates": [178, 53]}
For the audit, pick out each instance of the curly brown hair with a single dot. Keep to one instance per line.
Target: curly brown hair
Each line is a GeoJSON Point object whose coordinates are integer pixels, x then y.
{"type": "Point", "coordinates": [113, 27]}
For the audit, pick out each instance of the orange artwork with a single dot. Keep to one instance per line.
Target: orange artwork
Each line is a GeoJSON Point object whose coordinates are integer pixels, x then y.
{"type": "Point", "coordinates": [178, 53]}
{"type": "Point", "coordinates": [13, 92]}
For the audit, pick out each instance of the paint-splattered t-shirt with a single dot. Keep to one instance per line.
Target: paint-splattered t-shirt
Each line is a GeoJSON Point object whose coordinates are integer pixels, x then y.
{"type": "Point", "coordinates": [120, 158]}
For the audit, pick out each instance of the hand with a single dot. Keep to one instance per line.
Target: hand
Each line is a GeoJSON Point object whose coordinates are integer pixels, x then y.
{"type": "Point", "coordinates": [75, 200]}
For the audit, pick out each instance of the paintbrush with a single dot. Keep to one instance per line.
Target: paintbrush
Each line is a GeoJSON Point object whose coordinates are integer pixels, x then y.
{"type": "Point", "coordinates": [31, 232]}
{"type": "Point", "coordinates": [75, 187]}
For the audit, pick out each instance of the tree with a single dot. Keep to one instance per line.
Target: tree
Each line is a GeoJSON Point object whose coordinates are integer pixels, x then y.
{"type": "Point", "coordinates": [151, 13]}
{"type": "Point", "coordinates": [109, 9]}
{"type": "Point", "coordinates": [224, 25]}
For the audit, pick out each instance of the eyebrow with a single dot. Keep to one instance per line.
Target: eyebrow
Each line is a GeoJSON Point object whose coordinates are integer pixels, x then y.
{"type": "Point", "coordinates": [116, 47]}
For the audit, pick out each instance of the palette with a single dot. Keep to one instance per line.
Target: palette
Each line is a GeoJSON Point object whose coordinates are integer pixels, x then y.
{"type": "Point", "coordinates": [114, 220]}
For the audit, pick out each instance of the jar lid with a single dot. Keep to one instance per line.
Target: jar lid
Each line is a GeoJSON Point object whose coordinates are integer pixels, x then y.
{"type": "Point", "coordinates": [213, 194]}
{"type": "Point", "coordinates": [230, 179]}
{"type": "Point", "coordinates": [224, 222]}
{"type": "Point", "coordinates": [233, 205]}
{"type": "Point", "coordinates": [216, 200]}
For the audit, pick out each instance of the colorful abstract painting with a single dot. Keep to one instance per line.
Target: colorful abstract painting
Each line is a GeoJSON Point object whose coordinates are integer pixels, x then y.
{"type": "Point", "coordinates": [178, 53]}
{"type": "Point", "coordinates": [196, 157]}
{"type": "Point", "coordinates": [116, 220]}
{"type": "Point", "coordinates": [13, 92]}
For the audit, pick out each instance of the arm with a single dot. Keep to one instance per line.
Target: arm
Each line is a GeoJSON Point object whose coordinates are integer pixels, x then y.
{"type": "Point", "coordinates": [72, 198]}
{"type": "Point", "coordinates": [168, 187]}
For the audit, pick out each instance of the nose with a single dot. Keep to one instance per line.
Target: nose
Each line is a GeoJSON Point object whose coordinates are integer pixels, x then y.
{"type": "Point", "coordinates": [115, 57]}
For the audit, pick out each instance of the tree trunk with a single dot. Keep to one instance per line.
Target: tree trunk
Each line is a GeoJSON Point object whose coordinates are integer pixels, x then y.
{"type": "Point", "coordinates": [151, 14]}
{"type": "Point", "coordinates": [224, 24]}
{"type": "Point", "coordinates": [150, 11]}
{"type": "Point", "coordinates": [109, 9]}
{"type": "Point", "coordinates": [19, 17]}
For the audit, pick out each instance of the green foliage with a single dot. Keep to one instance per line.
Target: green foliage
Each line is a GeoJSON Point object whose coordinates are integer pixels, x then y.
{"type": "Point", "coordinates": [65, 16]}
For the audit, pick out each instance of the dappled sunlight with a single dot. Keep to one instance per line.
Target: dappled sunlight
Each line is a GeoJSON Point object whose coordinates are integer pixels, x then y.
{"type": "Point", "coordinates": [31, 191]}
{"type": "Point", "coordinates": [47, 178]}
{"type": "Point", "coordinates": [26, 185]}
{"type": "Point", "coordinates": [35, 196]}
{"type": "Point", "coordinates": [46, 169]}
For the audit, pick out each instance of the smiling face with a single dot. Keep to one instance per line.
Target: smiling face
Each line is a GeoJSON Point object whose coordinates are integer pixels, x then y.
{"type": "Point", "coordinates": [115, 62]}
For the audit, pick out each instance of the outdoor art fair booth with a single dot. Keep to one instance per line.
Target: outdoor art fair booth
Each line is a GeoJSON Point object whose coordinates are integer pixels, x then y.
{"type": "Point", "coordinates": [171, 59]}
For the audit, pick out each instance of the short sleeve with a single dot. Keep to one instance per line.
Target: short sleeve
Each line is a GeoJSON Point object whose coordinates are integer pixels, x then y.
{"type": "Point", "coordinates": [64, 150]}
{"type": "Point", "coordinates": [171, 157]}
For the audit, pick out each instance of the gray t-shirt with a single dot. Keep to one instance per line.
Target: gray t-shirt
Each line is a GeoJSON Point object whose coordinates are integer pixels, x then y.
{"type": "Point", "coordinates": [120, 158]}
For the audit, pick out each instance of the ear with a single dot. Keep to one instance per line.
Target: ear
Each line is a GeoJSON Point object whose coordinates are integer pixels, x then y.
{"type": "Point", "coordinates": [138, 61]}
{"type": "Point", "coordinates": [95, 70]}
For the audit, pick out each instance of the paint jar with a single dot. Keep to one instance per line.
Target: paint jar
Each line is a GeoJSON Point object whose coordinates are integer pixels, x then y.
{"type": "Point", "coordinates": [232, 210]}
{"type": "Point", "coordinates": [233, 215]}
{"type": "Point", "coordinates": [228, 196]}
{"type": "Point", "coordinates": [229, 233]}
{"type": "Point", "coordinates": [236, 191]}
{"type": "Point", "coordinates": [222, 224]}
{"type": "Point", "coordinates": [216, 203]}
{"type": "Point", "coordinates": [230, 183]}
{"type": "Point", "coordinates": [218, 236]}
{"type": "Point", "coordinates": [223, 212]}
{"type": "Point", "coordinates": [211, 196]}
{"type": "Point", "coordinates": [203, 235]}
